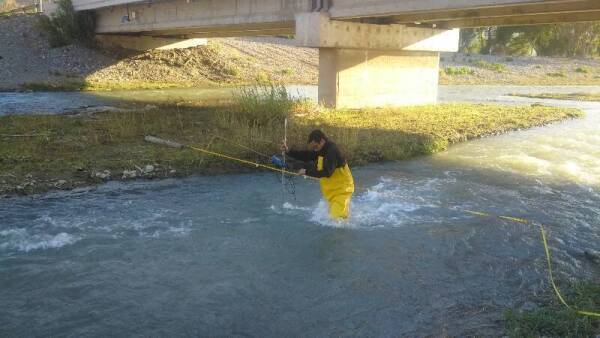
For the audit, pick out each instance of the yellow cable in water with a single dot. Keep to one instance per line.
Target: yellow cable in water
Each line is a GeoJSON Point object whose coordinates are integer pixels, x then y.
{"type": "Point", "coordinates": [548, 257]}
{"type": "Point", "coordinates": [556, 290]}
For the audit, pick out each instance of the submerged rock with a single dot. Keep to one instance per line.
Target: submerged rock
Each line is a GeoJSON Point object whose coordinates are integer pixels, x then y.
{"type": "Point", "coordinates": [129, 174]}
{"type": "Point", "coordinates": [592, 255]}
{"type": "Point", "coordinates": [149, 169]}
{"type": "Point", "coordinates": [103, 175]}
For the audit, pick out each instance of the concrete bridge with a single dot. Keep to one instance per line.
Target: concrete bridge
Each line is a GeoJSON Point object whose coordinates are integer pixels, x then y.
{"type": "Point", "coordinates": [372, 52]}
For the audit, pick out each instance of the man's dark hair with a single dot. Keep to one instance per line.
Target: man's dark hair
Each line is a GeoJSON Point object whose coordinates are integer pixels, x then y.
{"type": "Point", "coordinates": [316, 136]}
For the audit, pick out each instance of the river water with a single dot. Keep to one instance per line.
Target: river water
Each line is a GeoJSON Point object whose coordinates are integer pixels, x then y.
{"type": "Point", "coordinates": [226, 256]}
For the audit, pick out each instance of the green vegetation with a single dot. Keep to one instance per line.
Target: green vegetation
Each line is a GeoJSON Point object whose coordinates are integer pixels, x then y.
{"type": "Point", "coordinates": [557, 74]}
{"type": "Point", "coordinates": [73, 148]}
{"type": "Point", "coordinates": [572, 96]}
{"type": "Point", "coordinates": [262, 105]}
{"type": "Point", "coordinates": [497, 67]}
{"type": "Point", "coordinates": [11, 7]}
{"type": "Point", "coordinates": [555, 320]}
{"type": "Point", "coordinates": [231, 70]}
{"type": "Point", "coordinates": [67, 26]}
{"type": "Point", "coordinates": [287, 72]}
{"type": "Point", "coordinates": [263, 77]}
{"type": "Point", "coordinates": [71, 84]}
{"type": "Point", "coordinates": [581, 70]}
{"type": "Point", "coordinates": [569, 39]}
{"type": "Point", "coordinates": [452, 71]}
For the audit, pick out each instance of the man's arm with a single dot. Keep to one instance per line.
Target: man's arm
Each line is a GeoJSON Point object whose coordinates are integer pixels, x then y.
{"type": "Point", "coordinates": [302, 155]}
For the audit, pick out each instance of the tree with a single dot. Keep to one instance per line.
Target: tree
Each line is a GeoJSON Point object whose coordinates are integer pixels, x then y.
{"type": "Point", "coordinates": [570, 39]}
{"type": "Point", "coordinates": [67, 26]}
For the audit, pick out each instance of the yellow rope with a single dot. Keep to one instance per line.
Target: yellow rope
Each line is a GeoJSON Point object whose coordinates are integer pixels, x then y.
{"type": "Point", "coordinates": [257, 165]}
{"type": "Point", "coordinates": [548, 258]}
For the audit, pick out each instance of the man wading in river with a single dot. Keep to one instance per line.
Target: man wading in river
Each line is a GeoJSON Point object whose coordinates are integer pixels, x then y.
{"type": "Point", "coordinates": [325, 161]}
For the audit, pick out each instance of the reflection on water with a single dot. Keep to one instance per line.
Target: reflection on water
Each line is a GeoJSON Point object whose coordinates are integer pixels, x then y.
{"type": "Point", "coordinates": [226, 256]}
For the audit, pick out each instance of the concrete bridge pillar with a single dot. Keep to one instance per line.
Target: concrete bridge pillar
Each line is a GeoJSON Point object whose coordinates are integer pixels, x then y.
{"type": "Point", "coordinates": [369, 65]}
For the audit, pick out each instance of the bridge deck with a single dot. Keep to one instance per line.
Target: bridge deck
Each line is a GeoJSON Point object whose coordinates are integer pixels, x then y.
{"type": "Point", "coordinates": [242, 17]}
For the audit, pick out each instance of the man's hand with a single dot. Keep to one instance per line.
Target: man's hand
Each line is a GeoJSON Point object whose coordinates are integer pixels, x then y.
{"type": "Point", "coordinates": [302, 172]}
{"type": "Point", "coordinates": [284, 147]}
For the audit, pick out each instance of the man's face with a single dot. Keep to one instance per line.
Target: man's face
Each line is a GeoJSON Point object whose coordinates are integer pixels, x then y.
{"type": "Point", "coordinates": [316, 146]}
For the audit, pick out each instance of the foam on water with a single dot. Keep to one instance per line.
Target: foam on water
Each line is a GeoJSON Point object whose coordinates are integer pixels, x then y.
{"type": "Point", "coordinates": [389, 203]}
{"type": "Point", "coordinates": [56, 228]}
{"type": "Point", "coordinates": [21, 240]}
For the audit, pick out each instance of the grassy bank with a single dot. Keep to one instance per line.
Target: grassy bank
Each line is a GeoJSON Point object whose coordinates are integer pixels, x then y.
{"type": "Point", "coordinates": [41, 153]}
{"type": "Point", "coordinates": [555, 320]}
{"type": "Point", "coordinates": [76, 84]}
{"type": "Point", "coordinates": [474, 69]}
{"type": "Point", "coordinates": [572, 96]}
{"type": "Point", "coordinates": [512, 77]}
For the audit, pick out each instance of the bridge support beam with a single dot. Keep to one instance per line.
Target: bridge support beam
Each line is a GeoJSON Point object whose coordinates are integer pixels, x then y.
{"type": "Point", "coordinates": [368, 65]}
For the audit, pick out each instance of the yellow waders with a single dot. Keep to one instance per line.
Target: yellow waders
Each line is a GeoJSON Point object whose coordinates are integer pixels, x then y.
{"type": "Point", "coordinates": [338, 190]}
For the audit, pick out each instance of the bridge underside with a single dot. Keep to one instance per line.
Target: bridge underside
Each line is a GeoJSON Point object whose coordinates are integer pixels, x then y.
{"type": "Point", "coordinates": [221, 18]}
{"type": "Point", "coordinates": [372, 52]}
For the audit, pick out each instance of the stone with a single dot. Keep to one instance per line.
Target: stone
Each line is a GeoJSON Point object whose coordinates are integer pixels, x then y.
{"type": "Point", "coordinates": [149, 169]}
{"type": "Point", "coordinates": [104, 175]}
{"type": "Point", "coordinates": [129, 174]}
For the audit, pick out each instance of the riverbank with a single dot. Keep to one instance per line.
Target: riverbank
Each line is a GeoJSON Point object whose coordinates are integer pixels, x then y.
{"type": "Point", "coordinates": [593, 97]}
{"type": "Point", "coordinates": [28, 63]}
{"type": "Point", "coordinates": [49, 152]}
{"type": "Point", "coordinates": [553, 319]}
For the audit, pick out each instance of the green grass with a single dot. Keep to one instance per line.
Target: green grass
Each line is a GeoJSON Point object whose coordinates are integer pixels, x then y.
{"type": "Point", "coordinates": [556, 74]}
{"type": "Point", "coordinates": [454, 71]}
{"type": "Point", "coordinates": [73, 84]}
{"type": "Point", "coordinates": [30, 9]}
{"type": "Point", "coordinates": [572, 96]}
{"type": "Point", "coordinates": [231, 70]}
{"type": "Point", "coordinates": [496, 67]}
{"type": "Point", "coordinates": [582, 70]}
{"type": "Point", "coordinates": [287, 72]}
{"type": "Point", "coordinates": [555, 320]}
{"type": "Point", "coordinates": [74, 147]}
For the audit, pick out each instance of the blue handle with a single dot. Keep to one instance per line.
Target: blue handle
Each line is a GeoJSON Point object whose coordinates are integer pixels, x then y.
{"type": "Point", "coordinates": [278, 162]}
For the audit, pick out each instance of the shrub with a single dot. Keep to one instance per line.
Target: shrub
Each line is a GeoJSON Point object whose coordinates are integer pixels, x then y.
{"type": "Point", "coordinates": [263, 77]}
{"type": "Point", "coordinates": [66, 26]}
{"type": "Point", "coordinates": [581, 70]}
{"type": "Point", "coordinates": [287, 72]}
{"type": "Point", "coordinates": [458, 71]}
{"type": "Point", "coordinates": [556, 74]}
{"type": "Point", "coordinates": [497, 67]}
{"type": "Point", "coordinates": [231, 71]}
{"type": "Point", "coordinates": [263, 104]}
